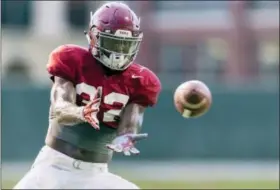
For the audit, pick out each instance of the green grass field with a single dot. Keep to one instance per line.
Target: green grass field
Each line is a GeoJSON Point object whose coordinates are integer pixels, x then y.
{"type": "Point", "coordinates": [191, 185]}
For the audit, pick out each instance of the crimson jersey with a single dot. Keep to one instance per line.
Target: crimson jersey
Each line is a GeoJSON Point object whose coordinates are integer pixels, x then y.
{"type": "Point", "coordinates": [137, 84]}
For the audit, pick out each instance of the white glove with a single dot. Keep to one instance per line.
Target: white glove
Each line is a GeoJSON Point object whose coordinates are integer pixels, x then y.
{"type": "Point", "coordinates": [125, 143]}
{"type": "Point", "coordinates": [91, 109]}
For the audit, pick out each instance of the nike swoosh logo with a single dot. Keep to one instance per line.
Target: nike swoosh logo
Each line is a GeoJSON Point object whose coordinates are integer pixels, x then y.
{"type": "Point", "coordinates": [135, 76]}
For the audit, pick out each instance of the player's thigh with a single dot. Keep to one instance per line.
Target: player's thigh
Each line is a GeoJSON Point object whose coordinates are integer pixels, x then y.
{"type": "Point", "coordinates": [110, 181]}
{"type": "Point", "coordinates": [44, 177]}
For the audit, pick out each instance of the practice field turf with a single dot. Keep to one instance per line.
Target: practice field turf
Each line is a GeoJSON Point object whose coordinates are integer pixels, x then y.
{"type": "Point", "coordinates": [192, 185]}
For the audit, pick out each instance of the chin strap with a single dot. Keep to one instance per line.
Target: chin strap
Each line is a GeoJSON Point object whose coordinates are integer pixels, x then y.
{"type": "Point", "coordinates": [87, 36]}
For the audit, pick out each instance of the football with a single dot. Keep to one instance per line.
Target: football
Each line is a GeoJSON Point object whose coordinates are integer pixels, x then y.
{"type": "Point", "coordinates": [192, 99]}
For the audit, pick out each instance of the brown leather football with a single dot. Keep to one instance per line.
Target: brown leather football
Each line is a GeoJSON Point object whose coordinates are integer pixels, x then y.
{"type": "Point", "coordinates": [192, 99]}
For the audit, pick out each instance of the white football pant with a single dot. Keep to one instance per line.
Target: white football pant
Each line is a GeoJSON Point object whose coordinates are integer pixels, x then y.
{"type": "Point", "coordinates": [54, 170]}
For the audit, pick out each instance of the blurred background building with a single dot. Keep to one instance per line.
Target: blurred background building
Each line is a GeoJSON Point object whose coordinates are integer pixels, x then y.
{"type": "Point", "coordinates": [233, 46]}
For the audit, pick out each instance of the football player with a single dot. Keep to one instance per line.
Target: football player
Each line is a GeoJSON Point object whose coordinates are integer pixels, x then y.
{"type": "Point", "coordinates": [98, 100]}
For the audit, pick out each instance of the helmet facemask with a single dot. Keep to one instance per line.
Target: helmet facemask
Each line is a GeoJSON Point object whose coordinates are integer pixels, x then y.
{"type": "Point", "coordinates": [116, 51]}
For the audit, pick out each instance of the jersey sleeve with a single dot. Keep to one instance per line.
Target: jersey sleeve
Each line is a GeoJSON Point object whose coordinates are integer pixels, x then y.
{"type": "Point", "coordinates": [61, 64]}
{"type": "Point", "coordinates": [148, 92]}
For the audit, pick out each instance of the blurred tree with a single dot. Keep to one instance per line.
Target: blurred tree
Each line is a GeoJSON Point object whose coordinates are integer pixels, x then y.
{"type": "Point", "coordinates": [77, 14]}
{"type": "Point", "coordinates": [16, 13]}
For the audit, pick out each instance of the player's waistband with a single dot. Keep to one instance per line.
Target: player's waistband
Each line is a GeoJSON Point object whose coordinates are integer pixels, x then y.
{"type": "Point", "coordinates": [62, 161]}
{"type": "Point", "coordinates": [76, 152]}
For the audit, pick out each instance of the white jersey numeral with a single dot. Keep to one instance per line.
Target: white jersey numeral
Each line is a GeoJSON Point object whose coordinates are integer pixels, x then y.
{"type": "Point", "coordinates": [109, 99]}
{"type": "Point", "coordinates": [87, 89]}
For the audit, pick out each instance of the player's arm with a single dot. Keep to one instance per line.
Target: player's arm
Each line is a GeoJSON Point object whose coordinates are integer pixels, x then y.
{"type": "Point", "coordinates": [128, 129]}
{"type": "Point", "coordinates": [131, 119]}
{"type": "Point", "coordinates": [63, 100]}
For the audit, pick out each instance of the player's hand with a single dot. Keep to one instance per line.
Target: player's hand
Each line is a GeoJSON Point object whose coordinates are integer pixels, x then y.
{"type": "Point", "coordinates": [91, 109]}
{"type": "Point", "coordinates": [125, 143]}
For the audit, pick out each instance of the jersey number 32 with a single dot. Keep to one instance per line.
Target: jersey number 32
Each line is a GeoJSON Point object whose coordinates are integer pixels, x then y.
{"type": "Point", "coordinates": [108, 116]}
